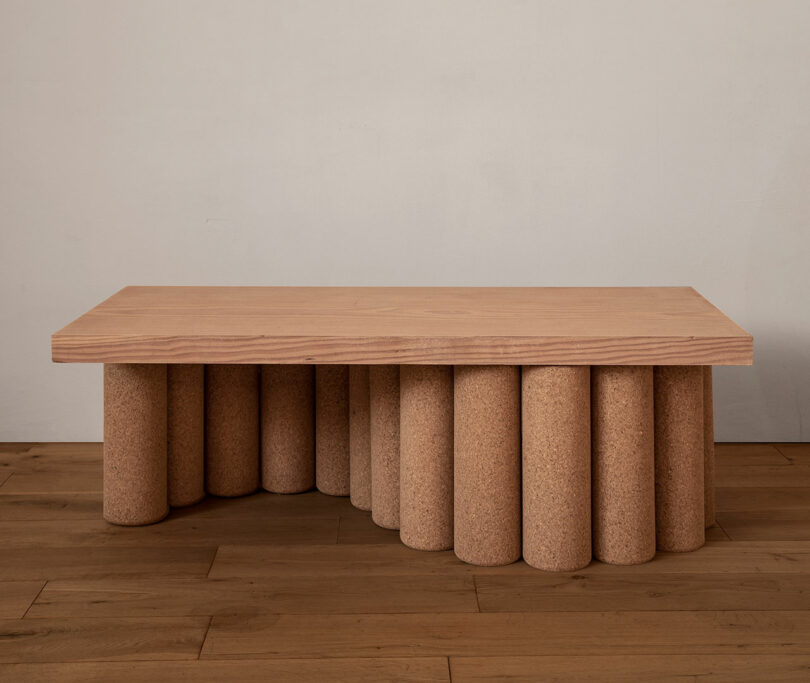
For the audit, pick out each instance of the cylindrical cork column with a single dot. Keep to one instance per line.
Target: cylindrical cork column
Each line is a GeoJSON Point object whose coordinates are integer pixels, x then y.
{"type": "Point", "coordinates": [557, 467]}
{"type": "Point", "coordinates": [426, 456]}
{"type": "Point", "coordinates": [231, 429]}
{"type": "Point", "coordinates": [359, 438]}
{"type": "Point", "coordinates": [287, 400]}
{"type": "Point", "coordinates": [186, 433]}
{"type": "Point", "coordinates": [679, 457]}
{"type": "Point", "coordinates": [486, 467]}
{"type": "Point", "coordinates": [332, 429]}
{"type": "Point", "coordinates": [623, 464]}
{"type": "Point", "coordinates": [384, 432]}
{"type": "Point", "coordinates": [135, 463]}
{"type": "Point", "coordinates": [708, 448]}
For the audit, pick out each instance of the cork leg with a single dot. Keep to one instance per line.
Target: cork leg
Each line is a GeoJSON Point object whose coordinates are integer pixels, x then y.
{"type": "Point", "coordinates": [332, 429]}
{"type": "Point", "coordinates": [679, 457]}
{"type": "Point", "coordinates": [708, 448]}
{"type": "Point", "coordinates": [556, 467]}
{"type": "Point", "coordinates": [287, 403]}
{"type": "Point", "coordinates": [486, 468]}
{"type": "Point", "coordinates": [384, 432]}
{"type": "Point", "coordinates": [359, 438]}
{"type": "Point", "coordinates": [426, 452]}
{"type": "Point", "coordinates": [135, 467]}
{"type": "Point", "coordinates": [186, 434]}
{"type": "Point", "coordinates": [231, 429]}
{"type": "Point", "coordinates": [623, 464]}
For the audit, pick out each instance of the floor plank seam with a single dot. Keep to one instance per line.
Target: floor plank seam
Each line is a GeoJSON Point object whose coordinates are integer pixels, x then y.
{"type": "Point", "coordinates": [6, 481]}
{"type": "Point", "coordinates": [782, 453]}
{"type": "Point", "coordinates": [211, 566]}
{"type": "Point", "coordinates": [204, 638]}
{"type": "Point", "coordinates": [36, 597]}
{"type": "Point", "coordinates": [720, 526]}
{"type": "Point", "coordinates": [730, 650]}
{"type": "Point", "coordinates": [260, 656]}
{"type": "Point", "coordinates": [425, 614]}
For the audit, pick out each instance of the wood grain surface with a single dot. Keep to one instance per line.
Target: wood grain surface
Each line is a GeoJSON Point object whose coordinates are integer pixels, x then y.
{"type": "Point", "coordinates": [406, 325]}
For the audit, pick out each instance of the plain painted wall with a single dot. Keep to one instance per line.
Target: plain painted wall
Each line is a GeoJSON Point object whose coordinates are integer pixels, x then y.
{"type": "Point", "coordinates": [404, 142]}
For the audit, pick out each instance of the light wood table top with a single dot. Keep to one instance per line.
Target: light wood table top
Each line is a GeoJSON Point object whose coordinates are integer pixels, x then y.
{"type": "Point", "coordinates": [406, 325]}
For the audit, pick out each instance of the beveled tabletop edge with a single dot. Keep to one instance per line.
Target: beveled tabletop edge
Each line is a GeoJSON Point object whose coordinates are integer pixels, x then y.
{"type": "Point", "coordinates": [735, 348]}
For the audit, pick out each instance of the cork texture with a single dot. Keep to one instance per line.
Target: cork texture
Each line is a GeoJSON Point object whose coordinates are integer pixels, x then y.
{"type": "Point", "coordinates": [359, 438]}
{"type": "Point", "coordinates": [623, 464]}
{"type": "Point", "coordinates": [135, 460]}
{"type": "Point", "coordinates": [231, 429]}
{"type": "Point", "coordinates": [287, 408]}
{"type": "Point", "coordinates": [185, 392]}
{"type": "Point", "coordinates": [679, 494]}
{"type": "Point", "coordinates": [332, 429]}
{"type": "Point", "coordinates": [384, 432]}
{"type": "Point", "coordinates": [556, 424]}
{"type": "Point", "coordinates": [426, 456]}
{"type": "Point", "coordinates": [486, 470]}
{"type": "Point", "coordinates": [708, 448]}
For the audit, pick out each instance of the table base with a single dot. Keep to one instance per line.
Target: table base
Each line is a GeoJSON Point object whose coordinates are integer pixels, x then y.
{"type": "Point", "coordinates": [555, 464]}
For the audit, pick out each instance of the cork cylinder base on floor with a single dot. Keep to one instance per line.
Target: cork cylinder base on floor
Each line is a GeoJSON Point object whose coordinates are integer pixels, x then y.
{"type": "Point", "coordinates": [623, 464]}
{"type": "Point", "coordinates": [186, 433]}
{"type": "Point", "coordinates": [426, 456]}
{"type": "Point", "coordinates": [287, 401]}
{"type": "Point", "coordinates": [557, 463]}
{"type": "Point", "coordinates": [231, 429]}
{"type": "Point", "coordinates": [679, 457]}
{"type": "Point", "coordinates": [384, 433]}
{"type": "Point", "coordinates": [135, 438]}
{"type": "Point", "coordinates": [332, 429]}
{"type": "Point", "coordinates": [556, 467]}
{"type": "Point", "coordinates": [486, 466]}
{"type": "Point", "coordinates": [359, 438]}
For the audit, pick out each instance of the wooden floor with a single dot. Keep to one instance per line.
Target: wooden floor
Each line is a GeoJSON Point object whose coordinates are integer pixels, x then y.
{"type": "Point", "coordinates": [305, 587]}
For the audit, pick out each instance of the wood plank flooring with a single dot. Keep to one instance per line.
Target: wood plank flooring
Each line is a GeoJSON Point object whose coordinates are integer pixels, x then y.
{"type": "Point", "coordinates": [306, 587]}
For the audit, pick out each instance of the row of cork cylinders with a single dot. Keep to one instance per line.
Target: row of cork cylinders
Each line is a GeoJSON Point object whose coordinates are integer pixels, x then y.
{"type": "Point", "coordinates": [557, 464]}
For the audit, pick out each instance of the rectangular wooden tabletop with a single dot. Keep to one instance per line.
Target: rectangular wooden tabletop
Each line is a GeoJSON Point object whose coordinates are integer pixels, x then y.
{"type": "Point", "coordinates": [404, 325]}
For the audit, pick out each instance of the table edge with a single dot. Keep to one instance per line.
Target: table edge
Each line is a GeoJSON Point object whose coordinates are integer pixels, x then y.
{"type": "Point", "coordinates": [399, 350]}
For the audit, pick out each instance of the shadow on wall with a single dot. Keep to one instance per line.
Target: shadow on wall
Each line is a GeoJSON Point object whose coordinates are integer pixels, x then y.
{"type": "Point", "coordinates": [750, 402]}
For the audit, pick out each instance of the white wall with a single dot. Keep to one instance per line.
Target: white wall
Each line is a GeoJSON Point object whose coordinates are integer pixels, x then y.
{"type": "Point", "coordinates": [402, 142]}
